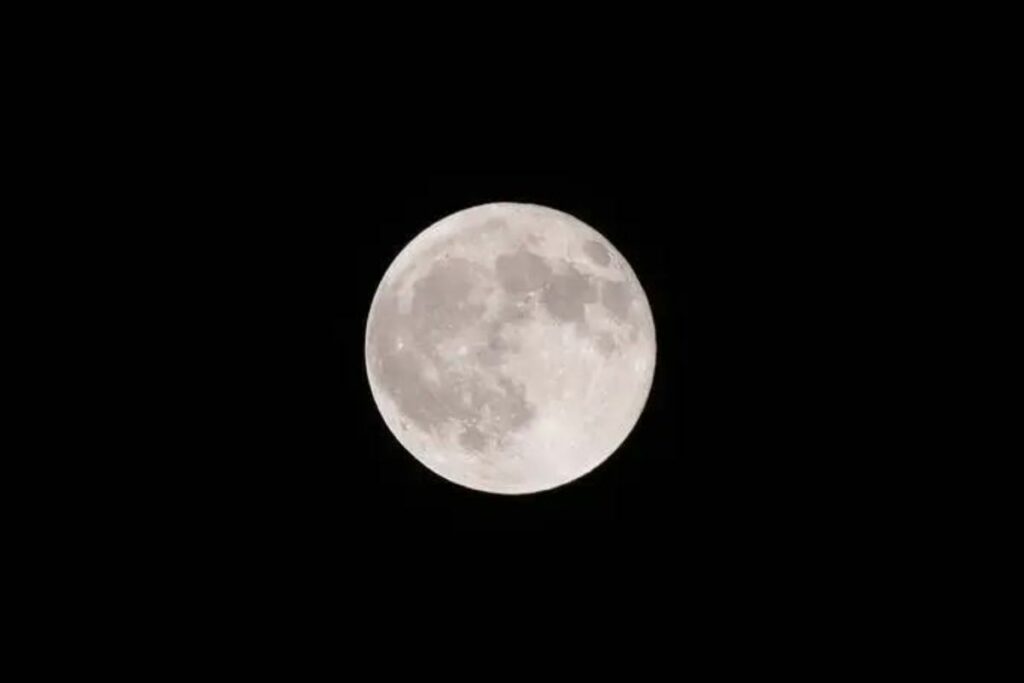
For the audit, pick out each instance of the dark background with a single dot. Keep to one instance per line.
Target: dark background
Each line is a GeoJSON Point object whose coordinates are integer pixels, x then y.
{"type": "Point", "coordinates": [269, 225]}
{"type": "Point", "coordinates": [238, 211]}
{"type": "Point", "coordinates": [300, 445]}
{"type": "Point", "coordinates": [272, 202]}
{"type": "Point", "coordinates": [305, 288]}
{"type": "Point", "coordinates": [255, 465]}
{"type": "Point", "coordinates": [282, 462]}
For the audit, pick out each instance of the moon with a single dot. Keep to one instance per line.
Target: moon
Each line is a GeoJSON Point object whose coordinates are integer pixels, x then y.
{"type": "Point", "coordinates": [510, 348]}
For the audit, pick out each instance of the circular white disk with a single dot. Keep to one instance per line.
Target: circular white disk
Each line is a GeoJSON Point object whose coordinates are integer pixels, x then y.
{"type": "Point", "coordinates": [510, 348]}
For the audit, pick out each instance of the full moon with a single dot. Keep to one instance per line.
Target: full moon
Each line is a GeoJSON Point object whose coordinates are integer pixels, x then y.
{"type": "Point", "coordinates": [510, 348]}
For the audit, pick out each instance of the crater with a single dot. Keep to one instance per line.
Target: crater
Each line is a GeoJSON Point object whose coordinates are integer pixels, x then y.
{"type": "Point", "coordinates": [493, 352]}
{"type": "Point", "coordinates": [493, 225]}
{"type": "Point", "coordinates": [402, 375]}
{"type": "Point", "coordinates": [605, 344]}
{"type": "Point", "coordinates": [565, 296]}
{"type": "Point", "coordinates": [472, 439]}
{"type": "Point", "coordinates": [522, 272]}
{"type": "Point", "coordinates": [383, 329]}
{"type": "Point", "coordinates": [430, 391]}
{"type": "Point", "coordinates": [456, 396]}
{"type": "Point", "coordinates": [509, 407]}
{"type": "Point", "coordinates": [597, 253]}
{"type": "Point", "coordinates": [441, 299]}
{"type": "Point", "coordinates": [617, 297]}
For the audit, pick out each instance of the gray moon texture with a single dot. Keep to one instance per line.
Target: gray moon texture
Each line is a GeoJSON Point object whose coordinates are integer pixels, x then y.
{"type": "Point", "coordinates": [510, 348]}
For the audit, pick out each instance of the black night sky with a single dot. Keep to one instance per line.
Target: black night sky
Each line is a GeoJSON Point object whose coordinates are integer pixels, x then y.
{"type": "Point", "coordinates": [305, 439]}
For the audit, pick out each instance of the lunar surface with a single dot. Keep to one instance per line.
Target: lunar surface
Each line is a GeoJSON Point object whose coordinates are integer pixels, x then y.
{"type": "Point", "coordinates": [510, 348]}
